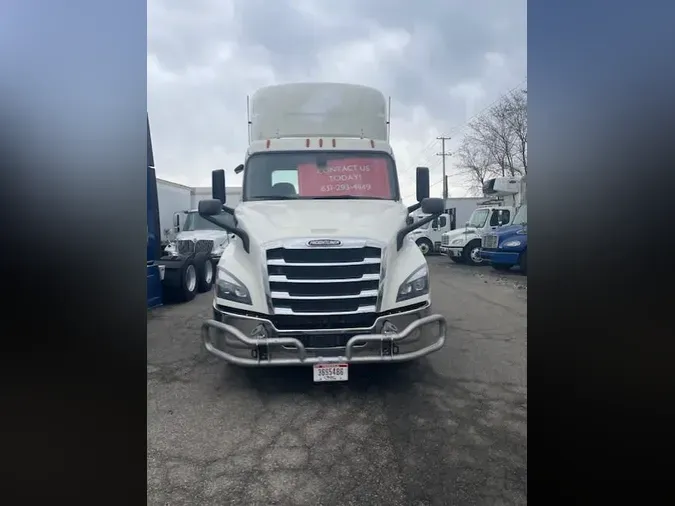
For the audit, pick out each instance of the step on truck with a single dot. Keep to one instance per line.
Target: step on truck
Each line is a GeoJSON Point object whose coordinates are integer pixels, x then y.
{"type": "Point", "coordinates": [322, 271]}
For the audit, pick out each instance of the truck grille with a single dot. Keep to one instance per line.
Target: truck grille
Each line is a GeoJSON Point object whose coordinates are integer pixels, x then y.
{"type": "Point", "coordinates": [187, 247]}
{"type": "Point", "coordinates": [321, 283]}
{"type": "Point", "coordinates": [490, 241]}
{"type": "Point", "coordinates": [445, 240]}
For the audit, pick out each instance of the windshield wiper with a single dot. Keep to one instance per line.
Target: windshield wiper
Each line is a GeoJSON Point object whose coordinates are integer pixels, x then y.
{"type": "Point", "coordinates": [344, 197]}
{"type": "Point", "coordinates": [274, 197]}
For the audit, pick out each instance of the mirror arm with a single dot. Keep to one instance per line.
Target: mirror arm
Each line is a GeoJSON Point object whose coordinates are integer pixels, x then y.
{"type": "Point", "coordinates": [414, 207]}
{"type": "Point", "coordinates": [245, 240]}
{"type": "Point", "coordinates": [400, 236]}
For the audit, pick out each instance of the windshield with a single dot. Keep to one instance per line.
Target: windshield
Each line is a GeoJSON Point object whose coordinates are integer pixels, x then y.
{"type": "Point", "coordinates": [478, 218]}
{"type": "Point", "coordinates": [195, 222]}
{"type": "Point", "coordinates": [521, 216]}
{"type": "Point", "coordinates": [320, 175]}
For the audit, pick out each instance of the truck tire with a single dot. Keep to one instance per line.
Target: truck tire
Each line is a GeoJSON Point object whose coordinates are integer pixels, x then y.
{"type": "Point", "coordinates": [470, 253]}
{"type": "Point", "coordinates": [188, 281]}
{"type": "Point", "coordinates": [205, 272]}
{"type": "Point", "coordinates": [522, 262]}
{"type": "Point", "coordinates": [425, 246]}
{"type": "Point", "coordinates": [501, 267]}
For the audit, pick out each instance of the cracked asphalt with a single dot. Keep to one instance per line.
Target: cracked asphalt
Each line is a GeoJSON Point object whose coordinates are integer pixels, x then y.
{"type": "Point", "coordinates": [448, 429]}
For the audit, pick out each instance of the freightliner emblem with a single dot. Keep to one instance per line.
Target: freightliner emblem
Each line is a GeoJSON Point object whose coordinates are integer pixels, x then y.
{"type": "Point", "coordinates": [324, 242]}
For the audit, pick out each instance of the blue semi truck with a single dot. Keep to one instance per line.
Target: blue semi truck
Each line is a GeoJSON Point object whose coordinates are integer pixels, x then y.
{"type": "Point", "coordinates": [178, 277]}
{"type": "Point", "coordinates": [507, 247]}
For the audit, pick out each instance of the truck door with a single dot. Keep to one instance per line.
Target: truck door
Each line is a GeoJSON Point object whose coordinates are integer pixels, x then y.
{"type": "Point", "coordinates": [438, 226]}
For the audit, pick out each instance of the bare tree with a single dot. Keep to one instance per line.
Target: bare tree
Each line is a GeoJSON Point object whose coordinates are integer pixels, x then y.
{"type": "Point", "coordinates": [516, 112]}
{"type": "Point", "coordinates": [496, 143]}
{"type": "Point", "coordinates": [476, 161]}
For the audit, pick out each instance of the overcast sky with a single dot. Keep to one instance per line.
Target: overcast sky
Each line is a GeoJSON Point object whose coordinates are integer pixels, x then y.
{"type": "Point", "coordinates": [441, 64]}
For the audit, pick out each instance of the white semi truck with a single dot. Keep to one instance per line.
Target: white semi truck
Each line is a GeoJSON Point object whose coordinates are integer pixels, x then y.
{"type": "Point", "coordinates": [463, 245]}
{"type": "Point", "coordinates": [322, 271]}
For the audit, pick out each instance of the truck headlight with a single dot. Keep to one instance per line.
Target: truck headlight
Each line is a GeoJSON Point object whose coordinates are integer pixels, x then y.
{"type": "Point", "coordinates": [230, 288]}
{"type": "Point", "coordinates": [457, 241]}
{"type": "Point", "coordinates": [171, 249]}
{"type": "Point", "coordinates": [415, 285]}
{"type": "Point", "coordinates": [511, 244]}
{"type": "Point", "coordinates": [218, 250]}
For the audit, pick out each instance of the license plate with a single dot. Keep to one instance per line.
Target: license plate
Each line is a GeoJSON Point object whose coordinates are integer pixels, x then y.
{"type": "Point", "coordinates": [331, 372]}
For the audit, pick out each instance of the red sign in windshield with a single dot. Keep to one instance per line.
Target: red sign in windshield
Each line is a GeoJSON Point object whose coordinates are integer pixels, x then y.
{"type": "Point", "coordinates": [363, 177]}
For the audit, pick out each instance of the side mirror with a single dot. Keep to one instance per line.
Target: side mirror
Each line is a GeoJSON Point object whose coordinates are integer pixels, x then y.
{"type": "Point", "coordinates": [210, 207]}
{"type": "Point", "coordinates": [176, 222]}
{"type": "Point", "coordinates": [432, 205]}
{"type": "Point", "coordinates": [422, 181]}
{"type": "Point", "coordinates": [218, 186]}
{"type": "Point", "coordinates": [239, 168]}
{"type": "Point", "coordinates": [434, 224]}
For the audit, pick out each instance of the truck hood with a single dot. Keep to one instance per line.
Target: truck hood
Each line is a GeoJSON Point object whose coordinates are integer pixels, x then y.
{"type": "Point", "coordinates": [276, 220]}
{"type": "Point", "coordinates": [217, 236]}
{"type": "Point", "coordinates": [508, 230]}
{"type": "Point", "coordinates": [453, 234]}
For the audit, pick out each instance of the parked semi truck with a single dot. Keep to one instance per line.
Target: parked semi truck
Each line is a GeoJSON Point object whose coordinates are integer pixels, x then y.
{"type": "Point", "coordinates": [463, 245]}
{"type": "Point", "coordinates": [507, 247]}
{"type": "Point", "coordinates": [176, 277]}
{"type": "Point", "coordinates": [322, 271]}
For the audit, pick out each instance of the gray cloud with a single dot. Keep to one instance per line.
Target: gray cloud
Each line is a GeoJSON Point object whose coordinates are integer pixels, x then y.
{"type": "Point", "coordinates": [440, 63]}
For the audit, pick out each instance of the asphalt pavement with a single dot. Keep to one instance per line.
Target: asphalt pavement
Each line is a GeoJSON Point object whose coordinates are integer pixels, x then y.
{"type": "Point", "coordinates": [448, 429]}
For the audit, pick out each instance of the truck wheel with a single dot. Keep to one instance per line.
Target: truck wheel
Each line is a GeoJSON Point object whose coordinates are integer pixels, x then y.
{"type": "Point", "coordinates": [425, 246]}
{"type": "Point", "coordinates": [188, 281]}
{"type": "Point", "coordinates": [522, 263]}
{"type": "Point", "coordinates": [471, 253]}
{"type": "Point", "coordinates": [501, 267]}
{"type": "Point", "coordinates": [204, 273]}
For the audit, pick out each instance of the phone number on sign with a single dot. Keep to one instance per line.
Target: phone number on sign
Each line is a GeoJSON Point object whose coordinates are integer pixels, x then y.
{"type": "Point", "coordinates": [345, 187]}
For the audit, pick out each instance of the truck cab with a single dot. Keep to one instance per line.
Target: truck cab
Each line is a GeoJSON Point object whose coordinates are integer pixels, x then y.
{"type": "Point", "coordinates": [323, 272]}
{"type": "Point", "coordinates": [428, 236]}
{"type": "Point", "coordinates": [194, 233]}
{"type": "Point", "coordinates": [463, 245]}
{"type": "Point", "coordinates": [507, 247]}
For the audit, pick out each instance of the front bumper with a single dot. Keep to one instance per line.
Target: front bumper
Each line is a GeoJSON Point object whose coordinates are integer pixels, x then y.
{"type": "Point", "coordinates": [453, 251]}
{"type": "Point", "coordinates": [237, 341]}
{"type": "Point", "coordinates": [500, 257]}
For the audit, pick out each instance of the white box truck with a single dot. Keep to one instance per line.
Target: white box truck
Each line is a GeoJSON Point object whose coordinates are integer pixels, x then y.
{"type": "Point", "coordinates": [463, 245]}
{"type": "Point", "coordinates": [322, 272]}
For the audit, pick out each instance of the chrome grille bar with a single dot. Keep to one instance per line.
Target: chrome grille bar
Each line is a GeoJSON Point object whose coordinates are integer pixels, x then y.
{"type": "Point", "coordinates": [324, 281]}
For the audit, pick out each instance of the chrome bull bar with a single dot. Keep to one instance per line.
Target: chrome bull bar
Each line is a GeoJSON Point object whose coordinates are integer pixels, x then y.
{"type": "Point", "coordinates": [387, 341]}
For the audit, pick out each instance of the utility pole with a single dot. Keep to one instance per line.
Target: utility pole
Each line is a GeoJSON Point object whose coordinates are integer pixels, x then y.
{"type": "Point", "coordinates": [443, 154]}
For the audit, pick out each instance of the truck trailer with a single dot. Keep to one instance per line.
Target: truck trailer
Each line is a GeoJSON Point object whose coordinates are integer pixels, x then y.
{"type": "Point", "coordinates": [322, 271]}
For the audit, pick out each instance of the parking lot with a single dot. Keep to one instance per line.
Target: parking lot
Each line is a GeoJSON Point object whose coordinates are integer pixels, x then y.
{"type": "Point", "coordinates": [448, 429]}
